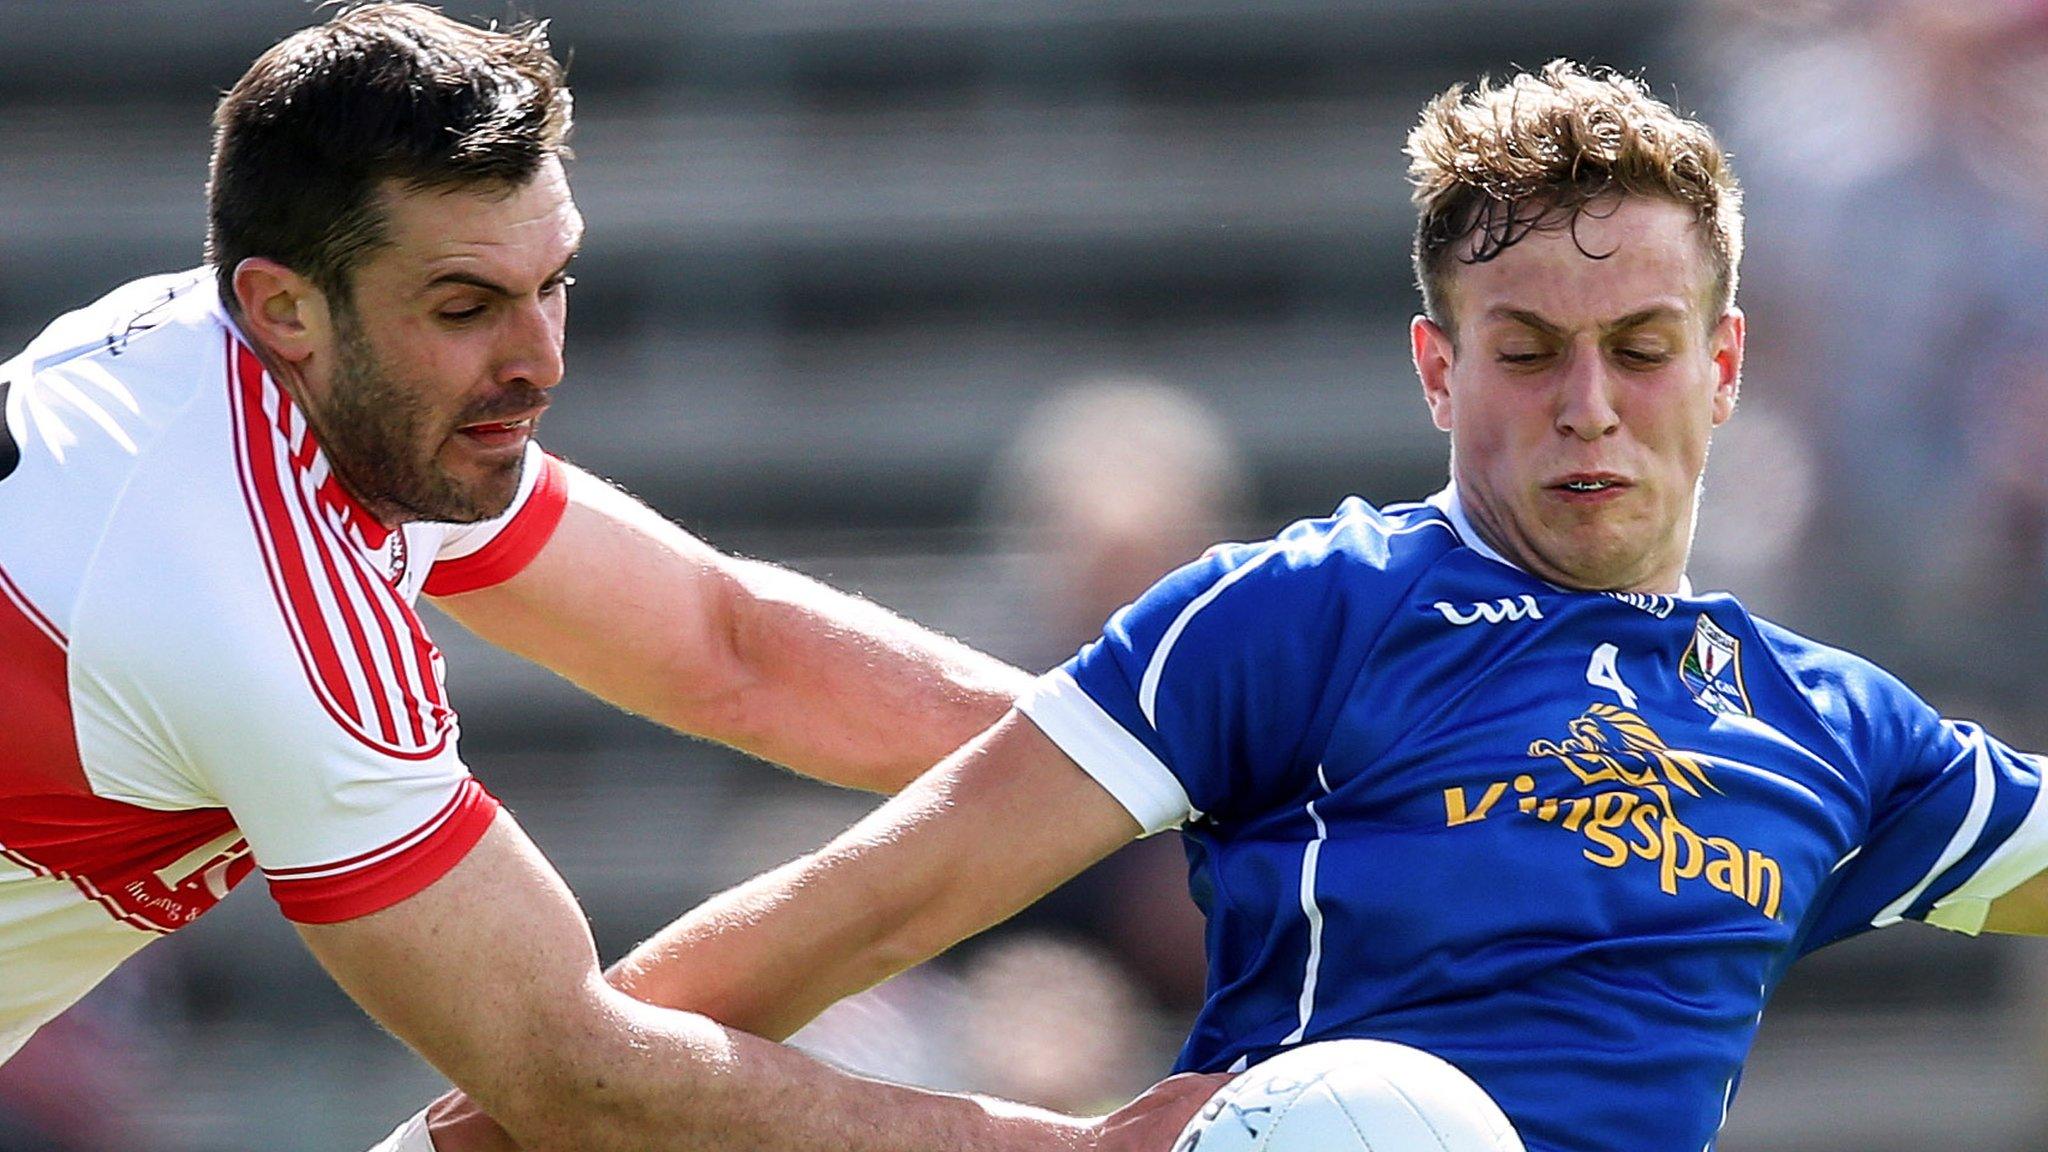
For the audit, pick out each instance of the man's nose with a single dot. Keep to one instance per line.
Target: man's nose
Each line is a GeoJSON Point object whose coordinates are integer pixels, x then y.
{"type": "Point", "coordinates": [1585, 401]}
{"type": "Point", "coordinates": [533, 345]}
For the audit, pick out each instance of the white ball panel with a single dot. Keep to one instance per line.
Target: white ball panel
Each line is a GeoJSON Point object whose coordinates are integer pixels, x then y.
{"type": "Point", "coordinates": [1351, 1096]}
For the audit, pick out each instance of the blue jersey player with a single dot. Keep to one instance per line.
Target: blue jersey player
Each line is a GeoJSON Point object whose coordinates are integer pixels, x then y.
{"type": "Point", "coordinates": [1482, 774]}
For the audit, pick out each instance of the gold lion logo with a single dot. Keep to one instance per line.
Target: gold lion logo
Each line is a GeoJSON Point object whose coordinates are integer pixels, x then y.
{"type": "Point", "coordinates": [1613, 744]}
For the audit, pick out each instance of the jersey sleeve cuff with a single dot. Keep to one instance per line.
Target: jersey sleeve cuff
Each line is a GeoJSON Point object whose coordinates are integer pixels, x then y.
{"type": "Point", "coordinates": [515, 545]}
{"type": "Point", "coordinates": [2023, 855]}
{"type": "Point", "coordinates": [375, 880]}
{"type": "Point", "coordinates": [1116, 759]}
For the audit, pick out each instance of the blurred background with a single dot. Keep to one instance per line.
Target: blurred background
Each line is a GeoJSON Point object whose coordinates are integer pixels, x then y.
{"type": "Point", "coordinates": [996, 311]}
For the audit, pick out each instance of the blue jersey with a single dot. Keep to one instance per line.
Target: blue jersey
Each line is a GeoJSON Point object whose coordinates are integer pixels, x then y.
{"type": "Point", "coordinates": [1569, 841]}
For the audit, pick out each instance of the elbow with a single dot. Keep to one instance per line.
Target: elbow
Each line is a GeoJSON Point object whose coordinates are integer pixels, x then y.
{"type": "Point", "coordinates": [709, 681]}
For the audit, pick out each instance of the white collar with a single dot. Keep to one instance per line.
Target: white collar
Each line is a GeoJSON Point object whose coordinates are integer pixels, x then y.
{"type": "Point", "coordinates": [1453, 507]}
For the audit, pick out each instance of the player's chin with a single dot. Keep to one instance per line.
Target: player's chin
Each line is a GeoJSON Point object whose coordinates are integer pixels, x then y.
{"type": "Point", "coordinates": [473, 490]}
{"type": "Point", "coordinates": [490, 497]}
{"type": "Point", "coordinates": [1594, 558]}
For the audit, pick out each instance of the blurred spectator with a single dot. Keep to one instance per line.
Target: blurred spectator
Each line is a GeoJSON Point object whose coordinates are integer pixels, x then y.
{"type": "Point", "coordinates": [1078, 1003]}
{"type": "Point", "coordinates": [1054, 1022]}
{"type": "Point", "coordinates": [1111, 484]}
{"type": "Point", "coordinates": [908, 1030]}
{"type": "Point", "coordinates": [1045, 1019]}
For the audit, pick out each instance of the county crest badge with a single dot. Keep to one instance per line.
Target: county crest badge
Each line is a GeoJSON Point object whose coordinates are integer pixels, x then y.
{"type": "Point", "coordinates": [1712, 670]}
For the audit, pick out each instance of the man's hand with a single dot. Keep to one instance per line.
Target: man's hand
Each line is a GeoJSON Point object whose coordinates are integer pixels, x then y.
{"type": "Point", "coordinates": [1153, 1121]}
{"type": "Point", "coordinates": [1148, 1124]}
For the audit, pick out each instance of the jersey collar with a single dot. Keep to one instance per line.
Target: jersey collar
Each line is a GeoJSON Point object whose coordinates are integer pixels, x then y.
{"type": "Point", "coordinates": [1453, 508]}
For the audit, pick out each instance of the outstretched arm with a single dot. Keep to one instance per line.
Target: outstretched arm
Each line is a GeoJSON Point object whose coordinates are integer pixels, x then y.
{"type": "Point", "coordinates": [642, 614]}
{"type": "Point", "coordinates": [974, 841]}
{"type": "Point", "coordinates": [490, 974]}
{"type": "Point", "coordinates": [1002, 822]}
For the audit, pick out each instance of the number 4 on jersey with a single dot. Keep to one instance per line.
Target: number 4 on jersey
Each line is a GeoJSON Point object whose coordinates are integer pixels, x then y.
{"type": "Point", "coordinates": [1601, 673]}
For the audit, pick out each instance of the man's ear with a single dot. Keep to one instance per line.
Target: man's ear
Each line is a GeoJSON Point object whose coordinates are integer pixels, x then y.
{"type": "Point", "coordinates": [1728, 339]}
{"type": "Point", "coordinates": [1434, 355]}
{"type": "Point", "coordinates": [280, 309]}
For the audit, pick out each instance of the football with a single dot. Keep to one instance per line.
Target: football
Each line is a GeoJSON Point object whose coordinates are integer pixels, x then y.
{"type": "Point", "coordinates": [1350, 1096]}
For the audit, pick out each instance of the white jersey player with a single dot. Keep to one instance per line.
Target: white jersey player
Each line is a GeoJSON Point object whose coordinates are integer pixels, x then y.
{"type": "Point", "coordinates": [209, 650]}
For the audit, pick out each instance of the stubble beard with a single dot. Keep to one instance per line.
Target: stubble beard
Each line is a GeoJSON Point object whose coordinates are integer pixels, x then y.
{"type": "Point", "coordinates": [381, 438]}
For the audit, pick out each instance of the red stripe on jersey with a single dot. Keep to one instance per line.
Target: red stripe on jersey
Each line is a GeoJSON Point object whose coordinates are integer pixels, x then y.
{"type": "Point", "coordinates": [289, 579]}
{"type": "Point", "coordinates": [35, 697]}
{"type": "Point", "coordinates": [364, 584]}
{"type": "Point", "coordinates": [411, 655]}
{"type": "Point", "coordinates": [298, 437]}
{"type": "Point", "coordinates": [332, 567]}
{"type": "Point", "coordinates": [432, 707]}
{"type": "Point", "coordinates": [373, 881]}
{"type": "Point", "coordinates": [515, 545]}
{"type": "Point", "coordinates": [407, 716]}
{"type": "Point", "coordinates": [337, 555]}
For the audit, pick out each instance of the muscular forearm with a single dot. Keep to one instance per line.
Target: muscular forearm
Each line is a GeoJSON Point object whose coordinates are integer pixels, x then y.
{"type": "Point", "coordinates": [837, 687]}
{"type": "Point", "coordinates": [688, 1084]}
{"type": "Point", "coordinates": [491, 975]}
{"type": "Point", "coordinates": [994, 827]}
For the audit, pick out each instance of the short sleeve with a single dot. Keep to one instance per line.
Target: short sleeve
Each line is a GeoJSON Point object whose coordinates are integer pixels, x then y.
{"type": "Point", "coordinates": [474, 556]}
{"type": "Point", "coordinates": [1959, 822]}
{"type": "Point", "coordinates": [346, 782]}
{"type": "Point", "coordinates": [1204, 697]}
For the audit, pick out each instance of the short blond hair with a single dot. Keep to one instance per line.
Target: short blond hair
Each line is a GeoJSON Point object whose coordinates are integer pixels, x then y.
{"type": "Point", "coordinates": [1493, 163]}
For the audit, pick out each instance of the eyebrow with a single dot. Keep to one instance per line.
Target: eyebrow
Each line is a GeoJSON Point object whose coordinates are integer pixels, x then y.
{"type": "Point", "coordinates": [481, 283]}
{"type": "Point", "coordinates": [467, 278]}
{"type": "Point", "coordinates": [1632, 320]}
{"type": "Point", "coordinates": [1647, 315]}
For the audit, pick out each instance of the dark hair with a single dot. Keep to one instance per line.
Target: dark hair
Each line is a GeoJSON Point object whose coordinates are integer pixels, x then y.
{"type": "Point", "coordinates": [387, 91]}
{"type": "Point", "coordinates": [1491, 164]}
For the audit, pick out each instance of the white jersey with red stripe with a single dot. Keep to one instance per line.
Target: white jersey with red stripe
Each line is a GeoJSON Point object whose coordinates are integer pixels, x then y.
{"type": "Point", "coordinates": [209, 659]}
